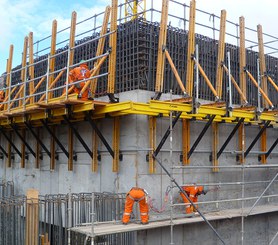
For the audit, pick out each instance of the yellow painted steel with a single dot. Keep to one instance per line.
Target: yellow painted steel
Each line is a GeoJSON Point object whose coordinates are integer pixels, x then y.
{"type": "Point", "coordinates": [116, 144]}
{"type": "Point", "coordinates": [100, 47]}
{"type": "Point", "coordinates": [215, 142]}
{"type": "Point", "coordinates": [191, 48]}
{"type": "Point", "coordinates": [272, 83]}
{"type": "Point", "coordinates": [242, 57]}
{"type": "Point", "coordinates": [135, 9]}
{"type": "Point", "coordinates": [161, 45]}
{"type": "Point", "coordinates": [52, 59]}
{"type": "Point", "coordinates": [31, 66]}
{"type": "Point", "coordinates": [113, 49]}
{"type": "Point", "coordinates": [221, 54]}
{"type": "Point", "coordinates": [261, 90]}
{"type": "Point", "coordinates": [262, 63]}
{"type": "Point", "coordinates": [152, 141]}
{"type": "Point", "coordinates": [185, 141]}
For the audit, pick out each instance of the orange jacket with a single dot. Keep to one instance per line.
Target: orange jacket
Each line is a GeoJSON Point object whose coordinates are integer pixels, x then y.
{"type": "Point", "coordinates": [193, 192]}
{"type": "Point", "coordinates": [2, 95]}
{"type": "Point", "coordinates": [79, 73]}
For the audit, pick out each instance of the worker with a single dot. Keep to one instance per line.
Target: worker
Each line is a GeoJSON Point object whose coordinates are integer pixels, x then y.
{"type": "Point", "coordinates": [80, 73]}
{"type": "Point", "coordinates": [2, 95]}
{"type": "Point", "coordinates": [192, 191]}
{"type": "Point", "coordinates": [139, 195]}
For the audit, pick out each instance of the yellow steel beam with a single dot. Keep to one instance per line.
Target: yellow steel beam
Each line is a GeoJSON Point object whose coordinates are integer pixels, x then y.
{"type": "Point", "coordinates": [9, 69]}
{"type": "Point", "coordinates": [261, 90]}
{"type": "Point", "coordinates": [262, 62]}
{"type": "Point", "coordinates": [221, 54]}
{"type": "Point", "coordinates": [185, 141]}
{"type": "Point", "coordinates": [242, 57]}
{"type": "Point", "coordinates": [191, 48]}
{"type": "Point", "coordinates": [24, 70]}
{"type": "Point", "coordinates": [52, 53]}
{"type": "Point", "coordinates": [100, 47]}
{"type": "Point", "coordinates": [116, 144]}
{"type": "Point", "coordinates": [161, 45]}
{"type": "Point", "coordinates": [113, 48]}
{"type": "Point", "coordinates": [152, 141]}
{"type": "Point", "coordinates": [272, 83]}
{"type": "Point", "coordinates": [31, 66]}
{"type": "Point", "coordinates": [263, 146]}
{"type": "Point", "coordinates": [215, 142]}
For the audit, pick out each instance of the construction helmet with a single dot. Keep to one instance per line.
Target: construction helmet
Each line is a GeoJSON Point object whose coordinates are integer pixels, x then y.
{"type": "Point", "coordinates": [82, 62]}
{"type": "Point", "coordinates": [205, 189]}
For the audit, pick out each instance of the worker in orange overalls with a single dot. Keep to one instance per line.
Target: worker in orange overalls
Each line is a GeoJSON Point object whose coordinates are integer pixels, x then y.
{"type": "Point", "coordinates": [136, 195]}
{"type": "Point", "coordinates": [80, 73]}
{"type": "Point", "coordinates": [193, 191]}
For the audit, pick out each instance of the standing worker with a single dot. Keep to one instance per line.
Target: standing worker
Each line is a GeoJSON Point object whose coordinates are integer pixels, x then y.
{"type": "Point", "coordinates": [192, 191]}
{"type": "Point", "coordinates": [80, 73]}
{"type": "Point", "coordinates": [139, 195]}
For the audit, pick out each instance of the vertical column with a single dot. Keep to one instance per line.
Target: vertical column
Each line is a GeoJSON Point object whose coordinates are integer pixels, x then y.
{"type": "Point", "coordinates": [52, 150]}
{"type": "Point", "coordinates": [185, 141]}
{"type": "Point", "coordinates": [23, 149]}
{"type": "Point", "coordinates": [241, 143]}
{"type": "Point", "coordinates": [215, 138]}
{"type": "Point", "coordinates": [23, 71]}
{"type": "Point", "coordinates": [95, 151]}
{"type": "Point", "coordinates": [242, 57]}
{"type": "Point", "coordinates": [70, 149]}
{"type": "Point", "coordinates": [72, 37]}
{"type": "Point", "coordinates": [191, 48]}
{"type": "Point", "coordinates": [9, 159]}
{"type": "Point", "coordinates": [9, 70]}
{"type": "Point", "coordinates": [38, 150]}
{"type": "Point", "coordinates": [116, 143]}
{"type": "Point", "coordinates": [152, 140]}
{"type": "Point", "coordinates": [31, 67]}
{"type": "Point", "coordinates": [263, 146]}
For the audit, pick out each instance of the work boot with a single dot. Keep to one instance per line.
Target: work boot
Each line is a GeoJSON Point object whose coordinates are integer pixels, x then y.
{"type": "Point", "coordinates": [124, 223]}
{"type": "Point", "coordinates": [144, 223]}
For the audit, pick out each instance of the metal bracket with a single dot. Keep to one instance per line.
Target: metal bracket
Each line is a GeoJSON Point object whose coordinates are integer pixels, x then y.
{"type": "Point", "coordinates": [269, 151]}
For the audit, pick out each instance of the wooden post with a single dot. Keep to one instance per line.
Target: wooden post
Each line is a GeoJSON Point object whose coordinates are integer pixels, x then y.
{"type": "Point", "coordinates": [70, 149]}
{"type": "Point", "coordinates": [38, 150]}
{"type": "Point", "coordinates": [32, 217]}
{"type": "Point", "coordinates": [185, 141]}
{"type": "Point", "coordinates": [242, 57]}
{"type": "Point", "coordinates": [23, 71]}
{"type": "Point", "coordinates": [152, 139]}
{"type": "Point", "coordinates": [23, 149]}
{"type": "Point", "coordinates": [9, 70]}
{"type": "Point", "coordinates": [263, 146]}
{"type": "Point", "coordinates": [215, 138]}
{"type": "Point", "coordinates": [116, 143]}
{"type": "Point", "coordinates": [241, 143]}
{"type": "Point", "coordinates": [31, 67]}
{"type": "Point", "coordinates": [95, 151]}
{"type": "Point", "coordinates": [52, 149]}
{"type": "Point", "coordinates": [72, 36]}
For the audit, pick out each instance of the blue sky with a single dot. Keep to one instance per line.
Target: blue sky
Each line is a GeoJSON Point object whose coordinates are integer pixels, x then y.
{"type": "Point", "coordinates": [19, 17]}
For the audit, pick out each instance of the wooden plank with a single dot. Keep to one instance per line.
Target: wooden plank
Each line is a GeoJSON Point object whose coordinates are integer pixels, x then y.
{"type": "Point", "coordinates": [38, 150]}
{"type": "Point", "coordinates": [23, 149]}
{"type": "Point", "coordinates": [263, 146]}
{"type": "Point", "coordinates": [31, 66]}
{"type": "Point", "coordinates": [70, 149]}
{"type": "Point", "coordinates": [215, 143]}
{"type": "Point", "coordinates": [241, 142]}
{"type": "Point", "coordinates": [52, 149]}
{"type": "Point", "coordinates": [116, 144]}
{"type": "Point", "coordinates": [94, 166]}
{"type": "Point", "coordinates": [23, 71]}
{"type": "Point", "coordinates": [185, 141]}
{"type": "Point", "coordinates": [72, 37]}
{"type": "Point", "coordinates": [152, 142]}
{"type": "Point", "coordinates": [242, 58]}
{"type": "Point", "coordinates": [8, 81]}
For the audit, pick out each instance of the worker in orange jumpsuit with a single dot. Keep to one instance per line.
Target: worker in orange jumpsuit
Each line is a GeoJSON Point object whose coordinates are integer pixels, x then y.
{"type": "Point", "coordinates": [193, 191]}
{"type": "Point", "coordinates": [136, 195]}
{"type": "Point", "coordinates": [2, 95]}
{"type": "Point", "coordinates": [80, 73]}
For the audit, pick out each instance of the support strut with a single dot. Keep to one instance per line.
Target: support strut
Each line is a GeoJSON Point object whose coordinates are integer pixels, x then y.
{"type": "Point", "coordinates": [270, 150]}
{"type": "Point", "coordinates": [11, 142]}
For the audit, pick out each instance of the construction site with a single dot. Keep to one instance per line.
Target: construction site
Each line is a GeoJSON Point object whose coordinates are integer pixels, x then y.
{"type": "Point", "coordinates": [175, 101]}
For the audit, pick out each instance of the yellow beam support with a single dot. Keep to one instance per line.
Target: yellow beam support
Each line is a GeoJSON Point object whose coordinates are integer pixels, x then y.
{"type": "Point", "coordinates": [263, 146]}
{"type": "Point", "coordinates": [242, 57]}
{"type": "Point", "coordinates": [152, 141]}
{"type": "Point", "coordinates": [95, 151]}
{"type": "Point", "coordinates": [221, 54]}
{"type": "Point", "coordinates": [23, 149]}
{"type": "Point", "coordinates": [113, 46]}
{"type": "Point", "coordinates": [52, 53]}
{"type": "Point", "coordinates": [100, 47]}
{"type": "Point", "coordinates": [70, 150]}
{"type": "Point", "coordinates": [161, 45]}
{"type": "Point", "coordinates": [215, 143]}
{"type": "Point", "coordinates": [273, 83]}
{"type": "Point", "coordinates": [24, 70]}
{"type": "Point", "coordinates": [185, 141]}
{"type": "Point", "coordinates": [191, 48]}
{"type": "Point", "coordinates": [72, 36]}
{"type": "Point", "coordinates": [31, 66]}
{"type": "Point", "coordinates": [241, 143]}
{"type": "Point", "coordinates": [175, 71]}
{"type": "Point", "coordinates": [9, 69]}
{"type": "Point", "coordinates": [262, 62]}
{"type": "Point", "coordinates": [261, 90]}
{"type": "Point", "coordinates": [116, 144]}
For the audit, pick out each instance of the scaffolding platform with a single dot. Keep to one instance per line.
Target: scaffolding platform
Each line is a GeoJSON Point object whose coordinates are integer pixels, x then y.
{"type": "Point", "coordinates": [107, 228]}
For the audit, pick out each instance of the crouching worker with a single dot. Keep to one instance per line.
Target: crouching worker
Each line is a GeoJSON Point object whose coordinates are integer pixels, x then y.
{"type": "Point", "coordinates": [136, 195]}
{"type": "Point", "coordinates": [193, 191]}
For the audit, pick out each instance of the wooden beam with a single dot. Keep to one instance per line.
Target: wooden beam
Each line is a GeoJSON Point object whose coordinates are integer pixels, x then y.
{"type": "Point", "coordinates": [241, 143]}
{"type": "Point", "coordinates": [242, 57]}
{"type": "Point", "coordinates": [221, 54]}
{"type": "Point", "coordinates": [272, 83]}
{"type": "Point", "coordinates": [38, 151]}
{"type": "Point", "coordinates": [9, 159]}
{"type": "Point", "coordinates": [32, 217]}
{"type": "Point", "coordinates": [52, 53]}
{"type": "Point", "coordinates": [191, 48]}
{"type": "Point", "coordinates": [161, 46]}
{"type": "Point", "coordinates": [72, 37]}
{"type": "Point", "coordinates": [23, 71]}
{"type": "Point", "coordinates": [95, 151]}
{"type": "Point", "coordinates": [52, 149]}
{"type": "Point", "coordinates": [70, 149]}
{"type": "Point", "coordinates": [100, 47]}
{"type": "Point", "coordinates": [215, 142]}
{"type": "Point", "coordinates": [152, 140]}
{"type": "Point", "coordinates": [31, 66]}
{"type": "Point", "coordinates": [23, 149]}
{"type": "Point", "coordinates": [116, 143]}
{"type": "Point", "coordinates": [262, 64]}
{"type": "Point", "coordinates": [9, 69]}
{"type": "Point", "coordinates": [113, 46]}
{"type": "Point", "coordinates": [185, 141]}
{"type": "Point", "coordinates": [263, 146]}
